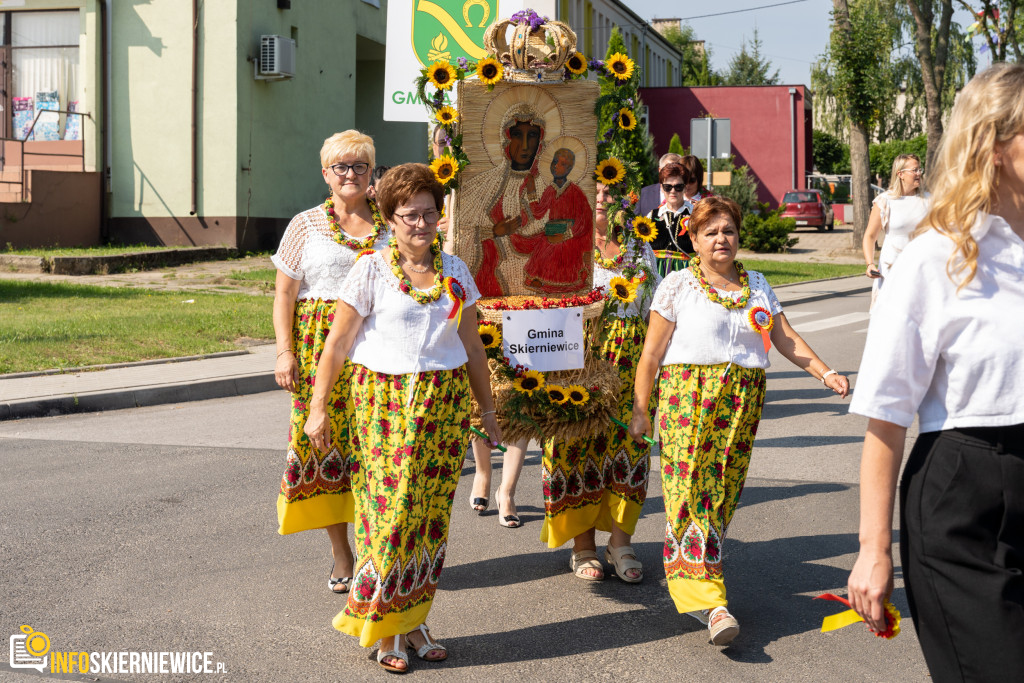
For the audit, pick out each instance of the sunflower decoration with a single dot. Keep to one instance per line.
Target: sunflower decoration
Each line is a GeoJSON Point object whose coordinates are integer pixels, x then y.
{"type": "Point", "coordinates": [557, 394]}
{"type": "Point", "coordinates": [645, 229]}
{"type": "Point", "coordinates": [622, 289]}
{"type": "Point", "coordinates": [627, 120]}
{"type": "Point", "coordinates": [577, 64]}
{"type": "Point", "coordinates": [578, 395]}
{"type": "Point", "coordinates": [620, 66]}
{"type": "Point", "coordinates": [610, 171]}
{"type": "Point", "coordinates": [444, 167]}
{"type": "Point", "coordinates": [529, 382]}
{"type": "Point", "coordinates": [442, 75]}
{"type": "Point", "coordinates": [489, 71]}
{"type": "Point", "coordinates": [490, 336]}
{"type": "Point", "coordinates": [446, 116]}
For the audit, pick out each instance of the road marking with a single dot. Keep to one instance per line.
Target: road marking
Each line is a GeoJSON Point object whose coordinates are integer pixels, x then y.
{"type": "Point", "coordinates": [837, 321]}
{"type": "Point", "coordinates": [798, 314]}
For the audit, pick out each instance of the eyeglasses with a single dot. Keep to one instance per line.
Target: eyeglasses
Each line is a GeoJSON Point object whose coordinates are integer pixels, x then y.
{"type": "Point", "coordinates": [915, 171]}
{"type": "Point", "coordinates": [413, 219]}
{"type": "Point", "coordinates": [666, 188]}
{"type": "Point", "coordinates": [359, 168]}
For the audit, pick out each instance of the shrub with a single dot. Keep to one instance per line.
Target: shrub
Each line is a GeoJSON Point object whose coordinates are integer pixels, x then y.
{"type": "Point", "coordinates": [675, 146]}
{"type": "Point", "coordinates": [743, 187]}
{"type": "Point", "coordinates": [767, 231]}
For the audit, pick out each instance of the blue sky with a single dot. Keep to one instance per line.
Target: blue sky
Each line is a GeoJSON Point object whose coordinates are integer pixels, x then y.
{"type": "Point", "coordinates": [793, 36]}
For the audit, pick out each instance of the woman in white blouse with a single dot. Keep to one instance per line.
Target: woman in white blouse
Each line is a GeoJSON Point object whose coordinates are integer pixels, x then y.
{"type": "Point", "coordinates": [406, 318]}
{"type": "Point", "coordinates": [317, 251]}
{"type": "Point", "coordinates": [711, 369]}
{"type": "Point", "coordinates": [896, 212]}
{"type": "Point", "coordinates": [600, 482]}
{"type": "Point", "coordinates": [945, 342]}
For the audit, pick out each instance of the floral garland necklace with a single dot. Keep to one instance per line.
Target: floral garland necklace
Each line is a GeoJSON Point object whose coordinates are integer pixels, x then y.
{"type": "Point", "coordinates": [608, 263]}
{"type": "Point", "coordinates": [713, 294]}
{"type": "Point", "coordinates": [343, 239]}
{"type": "Point", "coordinates": [432, 294]}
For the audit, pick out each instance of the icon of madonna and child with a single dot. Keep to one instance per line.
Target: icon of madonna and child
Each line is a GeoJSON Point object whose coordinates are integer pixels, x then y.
{"type": "Point", "coordinates": [525, 225]}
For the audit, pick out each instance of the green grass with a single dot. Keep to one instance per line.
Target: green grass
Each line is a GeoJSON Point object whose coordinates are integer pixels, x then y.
{"type": "Point", "coordinates": [59, 325]}
{"type": "Point", "coordinates": [785, 272]}
{"type": "Point", "coordinates": [108, 250]}
{"type": "Point", "coordinates": [256, 275]}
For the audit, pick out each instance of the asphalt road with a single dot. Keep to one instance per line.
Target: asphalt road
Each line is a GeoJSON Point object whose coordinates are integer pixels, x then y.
{"type": "Point", "coordinates": [154, 529]}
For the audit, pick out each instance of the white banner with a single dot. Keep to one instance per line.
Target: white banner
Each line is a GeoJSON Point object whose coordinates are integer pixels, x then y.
{"type": "Point", "coordinates": [545, 340]}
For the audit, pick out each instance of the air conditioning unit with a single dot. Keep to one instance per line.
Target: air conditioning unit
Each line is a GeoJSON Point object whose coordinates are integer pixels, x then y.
{"type": "Point", "coordinates": [277, 58]}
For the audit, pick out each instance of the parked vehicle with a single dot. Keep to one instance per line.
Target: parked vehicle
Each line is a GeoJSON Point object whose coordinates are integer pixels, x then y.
{"type": "Point", "coordinates": [808, 208]}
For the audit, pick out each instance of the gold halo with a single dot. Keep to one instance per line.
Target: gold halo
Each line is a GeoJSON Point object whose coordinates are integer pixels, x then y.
{"type": "Point", "coordinates": [532, 95]}
{"type": "Point", "coordinates": [580, 169]}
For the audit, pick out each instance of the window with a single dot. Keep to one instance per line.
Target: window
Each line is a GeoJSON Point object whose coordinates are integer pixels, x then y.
{"type": "Point", "coordinates": [795, 197]}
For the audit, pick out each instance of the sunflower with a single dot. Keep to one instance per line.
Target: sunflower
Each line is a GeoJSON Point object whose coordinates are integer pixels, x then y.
{"type": "Point", "coordinates": [578, 395]}
{"type": "Point", "coordinates": [558, 394]}
{"type": "Point", "coordinates": [577, 64]}
{"type": "Point", "coordinates": [529, 382]}
{"type": "Point", "coordinates": [490, 336]}
{"type": "Point", "coordinates": [489, 71]}
{"type": "Point", "coordinates": [446, 116]}
{"type": "Point", "coordinates": [620, 66]}
{"type": "Point", "coordinates": [444, 167]}
{"type": "Point", "coordinates": [610, 171]}
{"type": "Point", "coordinates": [627, 121]}
{"type": "Point", "coordinates": [622, 289]}
{"type": "Point", "coordinates": [645, 229]}
{"type": "Point", "coordinates": [442, 75]}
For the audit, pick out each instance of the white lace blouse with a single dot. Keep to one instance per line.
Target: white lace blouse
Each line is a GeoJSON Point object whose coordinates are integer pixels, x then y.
{"type": "Point", "coordinates": [399, 336]}
{"type": "Point", "coordinates": [708, 333]}
{"type": "Point", "coordinates": [309, 253]}
{"type": "Point", "coordinates": [603, 277]}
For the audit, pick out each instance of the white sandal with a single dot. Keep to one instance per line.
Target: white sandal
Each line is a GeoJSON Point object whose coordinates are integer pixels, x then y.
{"type": "Point", "coordinates": [393, 652]}
{"type": "Point", "coordinates": [427, 646]}
{"type": "Point", "coordinates": [617, 558]}
{"type": "Point", "coordinates": [586, 559]}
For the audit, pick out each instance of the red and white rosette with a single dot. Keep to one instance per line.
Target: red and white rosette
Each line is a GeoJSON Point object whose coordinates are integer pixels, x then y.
{"type": "Point", "coordinates": [761, 321]}
{"type": "Point", "coordinates": [457, 293]}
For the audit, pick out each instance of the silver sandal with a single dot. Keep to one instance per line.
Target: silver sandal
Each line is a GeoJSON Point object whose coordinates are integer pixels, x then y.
{"type": "Point", "coordinates": [427, 646]}
{"type": "Point", "coordinates": [393, 652]}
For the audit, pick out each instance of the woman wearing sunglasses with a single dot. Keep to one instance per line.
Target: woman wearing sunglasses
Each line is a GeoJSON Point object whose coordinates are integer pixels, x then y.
{"type": "Point", "coordinates": [317, 251]}
{"type": "Point", "coordinates": [681, 189]}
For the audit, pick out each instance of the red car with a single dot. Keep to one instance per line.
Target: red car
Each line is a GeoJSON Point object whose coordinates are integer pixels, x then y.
{"type": "Point", "coordinates": [808, 208]}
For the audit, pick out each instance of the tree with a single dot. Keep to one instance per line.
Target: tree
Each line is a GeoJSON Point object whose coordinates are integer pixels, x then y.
{"type": "Point", "coordinates": [750, 68]}
{"type": "Point", "coordinates": [675, 145]}
{"type": "Point", "coordinates": [827, 152]}
{"type": "Point", "coordinates": [694, 68]}
{"type": "Point", "coordinates": [1001, 23]}
{"type": "Point", "coordinates": [637, 145]}
{"type": "Point", "coordinates": [931, 44]}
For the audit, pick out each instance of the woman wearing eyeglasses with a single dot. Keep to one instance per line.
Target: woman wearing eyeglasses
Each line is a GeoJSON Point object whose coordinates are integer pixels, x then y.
{"type": "Point", "coordinates": [896, 212]}
{"type": "Point", "coordinates": [317, 251]}
{"type": "Point", "coordinates": [407, 320]}
{"type": "Point", "coordinates": [681, 189]}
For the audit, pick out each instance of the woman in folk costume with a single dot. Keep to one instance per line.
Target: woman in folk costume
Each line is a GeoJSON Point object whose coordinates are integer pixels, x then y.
{"type": "Point", "coordinates": [711, 379]}
{"type": "Point", "coordinates": [317, 251]}
{"type": "Point", "coordinates": [406, 318]}
{"type": "Point", "coordinates": [681, 188]}
{"type": "Point", "coordinates": [600, 482]}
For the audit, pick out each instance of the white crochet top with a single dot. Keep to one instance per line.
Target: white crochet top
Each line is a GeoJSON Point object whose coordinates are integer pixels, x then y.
{"type": "Point", "coordinates": [398, 335]}
{"type": "Point", "coordinates": [603, 277]}
{"type": "Point", "coordinates": [708, 333]}
{"type": "Point", "coordinates": [309, 253]}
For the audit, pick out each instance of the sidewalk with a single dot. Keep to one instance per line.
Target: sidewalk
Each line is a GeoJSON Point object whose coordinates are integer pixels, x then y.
{"type": "Point", "coordinates": [153, 383]}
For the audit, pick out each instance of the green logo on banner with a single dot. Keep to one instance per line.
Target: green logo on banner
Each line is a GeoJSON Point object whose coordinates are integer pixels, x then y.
{"type": "Point", "coordinates": [444, 30]}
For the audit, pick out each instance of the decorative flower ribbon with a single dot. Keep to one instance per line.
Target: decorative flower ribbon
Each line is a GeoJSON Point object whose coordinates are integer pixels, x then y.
{"type": "Point", "coordinates": [837, 621]}
{"type": "Point", "coordinates": [457, 293]}
{"type": "Point", "coordinates": [762, 321]}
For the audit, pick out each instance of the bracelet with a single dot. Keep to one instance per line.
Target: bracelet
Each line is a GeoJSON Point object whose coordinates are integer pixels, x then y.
{"type": "Point", "coordinates": [281, 353]}
{"type": "Point", "coordinates": [489, 412]}
{"type": "Point", "coordinates": [826, 374]}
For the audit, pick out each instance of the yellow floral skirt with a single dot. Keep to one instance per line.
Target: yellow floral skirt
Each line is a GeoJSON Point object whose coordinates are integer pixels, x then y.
{"type": "Point", "coordinates": [708, 419]}
{"type": "Point", "coordinates": [595, 482]}
{"type": "Point", "coordinates": [410, 435]}
{"type": "Point", "coordinates": [315, 489]}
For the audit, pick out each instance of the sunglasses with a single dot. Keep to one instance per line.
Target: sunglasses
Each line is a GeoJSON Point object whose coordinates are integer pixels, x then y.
{"type": "Point", "coordinates": [666, 188]}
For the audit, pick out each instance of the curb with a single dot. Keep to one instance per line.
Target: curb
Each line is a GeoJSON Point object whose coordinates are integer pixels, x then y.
{"type": "Point", "coordinates": [225, 387]}
{"type": "Point", "coordinates": [819, 297]}
{"type": "Point", "coordinates": [132, 364]}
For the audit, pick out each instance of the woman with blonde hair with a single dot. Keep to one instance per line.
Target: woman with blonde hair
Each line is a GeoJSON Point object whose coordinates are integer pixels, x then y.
{"type": "Point", "coordinates": [945, 343]}
{"type": "Point", "coordinates": [896, 212]}
{"type": "Point", "coordinates": [317, 251]}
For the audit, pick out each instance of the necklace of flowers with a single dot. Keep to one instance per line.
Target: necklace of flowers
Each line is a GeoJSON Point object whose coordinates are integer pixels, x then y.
{"type": "Point", "coordinates": [712, 293]}
{"type": "Point", "coordinates": [608, 263]}
{"type": "Point", "coordinates": [343, 239]}
{"type": "Point", "coordinates": [432, 294]}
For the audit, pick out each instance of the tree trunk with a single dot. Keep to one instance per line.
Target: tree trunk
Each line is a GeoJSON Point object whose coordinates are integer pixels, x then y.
{"type": "Point", "coordinates": [933, 64]}
{"type": "Point", "coordinates": [860, 171]}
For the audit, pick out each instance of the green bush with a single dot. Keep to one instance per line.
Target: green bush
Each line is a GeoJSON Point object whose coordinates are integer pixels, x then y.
{"type": "Point", "coordinates": [742, 188]}
{"type": "Point", "coordinates": [675, 146]}
{"type": "Point", "coordinates": [767, 231]}
{"type": "Point", "coordinates": [882, 154]}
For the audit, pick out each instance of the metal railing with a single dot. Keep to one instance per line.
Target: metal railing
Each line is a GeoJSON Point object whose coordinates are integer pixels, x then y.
{"type": "Point", "coordinates": [22, 181]}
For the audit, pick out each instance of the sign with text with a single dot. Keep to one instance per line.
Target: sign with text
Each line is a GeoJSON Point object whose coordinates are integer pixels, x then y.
{"type": "Point", "coordinates": [545, 340]}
